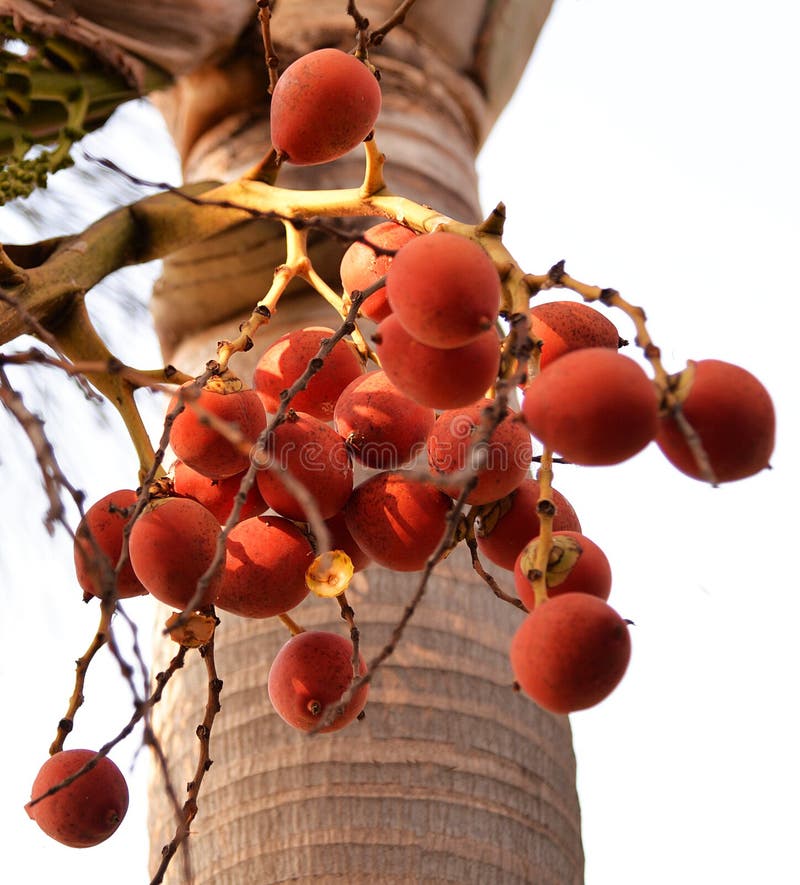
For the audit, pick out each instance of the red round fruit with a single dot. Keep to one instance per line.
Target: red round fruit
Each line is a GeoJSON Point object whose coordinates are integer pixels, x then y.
{"type": "Point", "coordinates": [85, 812]}
{"type": "Point", "coordinates": [266, 558]}
{"type": "Point", "coordinates": [520, 522]}
{"type": "Point", "coordinates": [315, 456]}
{"type": "Point", "coordinates": [323, 105]}
{"type": "Point", "coordinates": [571, 652]}
{"type": "Point", "coordinates": [593, 406]}
{"type": "Point", "coordinates": [577, 565]}
{"type": "Point", "coordinates": [732, 413]}
{"type": "Point", "coordinates": [339, 538]}
{"type": "Point", "coordinates": [216, 495]}
{"type": "Point", "coordinates": [284, 361]}
{"type": "Point", "coordinates": [383, 427]}
{"type": "Point", "coordinates": [563, 326]}
{"type": "Point", "coordinates": [441, 379]}
{"type": "Point", "coordinates": [362, 266]}
{"type": "Point", "coordinates": [205, 449]}
{"type": "Point", "coordinates": [105, 521]}
{"type": "Point", "coordinates": [172, 544]}
{"type": "Point", "coordinates": [310, 672]}
{"type": "Point", "coordinates": [397, 520]}
{"type": "Point", "coordinates": [506, 455]}
{"type": "Point", "coordinates": [444, 289]}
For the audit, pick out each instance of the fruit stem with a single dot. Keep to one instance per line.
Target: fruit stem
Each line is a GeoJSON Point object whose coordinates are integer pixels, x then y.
{"type": "Point", "coordinates": [544, 510]}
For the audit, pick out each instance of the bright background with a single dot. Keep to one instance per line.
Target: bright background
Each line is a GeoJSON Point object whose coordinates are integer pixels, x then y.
{"type": "Point", "coordinates": [654, 147]}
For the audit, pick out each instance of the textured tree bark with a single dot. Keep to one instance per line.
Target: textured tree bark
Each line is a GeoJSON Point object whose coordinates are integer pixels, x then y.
{"type": "Point", "coordinates": [451, 776]}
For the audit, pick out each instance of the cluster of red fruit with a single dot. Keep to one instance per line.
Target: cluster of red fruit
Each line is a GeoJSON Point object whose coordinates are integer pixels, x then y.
{"type": "Point", "coordinates": [439, 350]}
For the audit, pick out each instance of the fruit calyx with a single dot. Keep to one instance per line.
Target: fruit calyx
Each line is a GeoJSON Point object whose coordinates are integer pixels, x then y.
{"type": "Point", "coordinates": [564, 555]}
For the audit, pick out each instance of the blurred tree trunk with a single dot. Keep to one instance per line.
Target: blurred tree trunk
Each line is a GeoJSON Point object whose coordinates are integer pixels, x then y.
{"type": "Point", "coordinates": [451, 776]}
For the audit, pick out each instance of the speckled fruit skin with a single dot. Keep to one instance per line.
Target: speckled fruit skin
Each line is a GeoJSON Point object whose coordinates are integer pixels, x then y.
{"type": "Point", "coordinates": [590, 574]}
{"type": "Point", "coordinates": [396, 520]}
{"type": "Point", "coordinates": [444, 289]}
{"type": "Point", "coordinates": [732, 413]}
{"type": "Point", "coordinates": [316, 456]}
{"type": "Point", "coordinates": [216, 495]}
{"type": "Point", "coordinates": [362, 266]}
{"type": "Point", "coordinates": [266, 558]}
{"type": "Point", "coordinates": [508, 460]}
{"type": "Point", "coordinates": [383, 427]}
{"type": "Point", "coordinates": [323, 105]}
{"type": "Point", "coordinates": [203, 448]}
{"type": "Point", "coordinates": [520, 523]}
{"type": "Point", "coordinates": [441, 379]}
{"type": "Point", "coordinates": [284, 361]}
{"type": "Point", "coordinates": [86, 812]}
{"type": "Point", "coordinates": [592, 406]}
{"type": "Point", "coordinates": [570, 653]}
{"type": "Point", "coordinates": [171, 545]}
{"type": "Point", "coordinates": [106, 525]}
{"type": "Point", "coordinates": [563, 326]}
{"type": "Point", "coordinates": [312, 670]}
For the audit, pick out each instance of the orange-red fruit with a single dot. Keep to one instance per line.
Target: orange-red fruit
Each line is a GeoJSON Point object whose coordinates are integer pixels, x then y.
{"type": "Point", "coordinates": [512, 531]}
{"type": "Point", "coordinates": [444, 289]}
{"type": "Point", "coordinates": [206, 450]}
{"type": "Point", "coordinates": [592, 406]}
{"type": "Point", "coordinates": [315, 456]}
{"type": "Point", "coordinates": [396, 520]}
{"type": "Point", "coordinates": [339, 538]}
{"type": "Point", "coordinates": [571, 652]}
{"type": "Point", "coordinates": [506, 456]}
{"type": "Point", "coordinates": [579, 566]}
{"type": "Point", "coordinates": [106, 524]}
{"type": "Point", "coordinates": [732, 413]}
{"type": "Point", "coordinates": [563, 326]}
{"type": "Point", "coordinates": [323, 105]}
{"type": "Point", "coordinates": [171, 546]}
{"type": "Point", "coordinates": [284, 361]}
{"type": "Point", "coordinates": [87, 811]}
{"type": "Point", "coordinates": [266, 558]}
{"type": "Point", "coordinates": [362, 266]}
{"type": "Point", "coordinates": [311, 671]}
{"type": "Point", "coordinates": [441, 379]}
{"type": "Point", "coordinates": [383, 427]}
{"type": "Point", "coordinates": [217, 495]}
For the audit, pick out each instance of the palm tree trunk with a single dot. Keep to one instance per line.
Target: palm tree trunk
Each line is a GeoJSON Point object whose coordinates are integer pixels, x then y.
{"type": "Point", "coordinates": [452, 776]}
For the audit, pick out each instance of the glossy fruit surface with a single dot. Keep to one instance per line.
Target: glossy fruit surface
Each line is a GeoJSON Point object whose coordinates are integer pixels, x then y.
{"type": "Point", "coordinates": [563, 326]}
{"type": "Point", "coordinates": [205, 449]}
{"type": "Point", "coordinates": [87, 811]}
{"type": "Point", "coordinates": [397, 520]}
{"type": "Point", "coordinates": [362, 266]}
{"type": "Point", "coordinates": [732, 413]}
{"type": "Point", "coordinates": [505, 456]}
{"type": "Point", "coordinates": [312, 670]}
{"type": "Point", "coordinates": [592, 406]}
{"type": "Point", "coordinates": [323, 105]}
{"type": "Point", "coordinates": [576, 565]}
{"type": "Point", "coordinates": [105, 520]}
{"type": "Point", "coordinates": [441, 379]}
{"type": "Point", "coordinates": [502, 536]}
{"type": "Point", "coordinates": [172, 544]}
{"type": "Point", "coordinates": [266, 558]}
{"type": "Point", "coordinates": [284, 361]}
{"type": "Point", "coordinates": [444, 289]}
{"type": "Point", "coordinates": [571, 652]}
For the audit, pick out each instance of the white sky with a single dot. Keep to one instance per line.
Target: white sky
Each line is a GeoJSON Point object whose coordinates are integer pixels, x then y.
{"type": "Point", "coordinates": [654, 147]}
